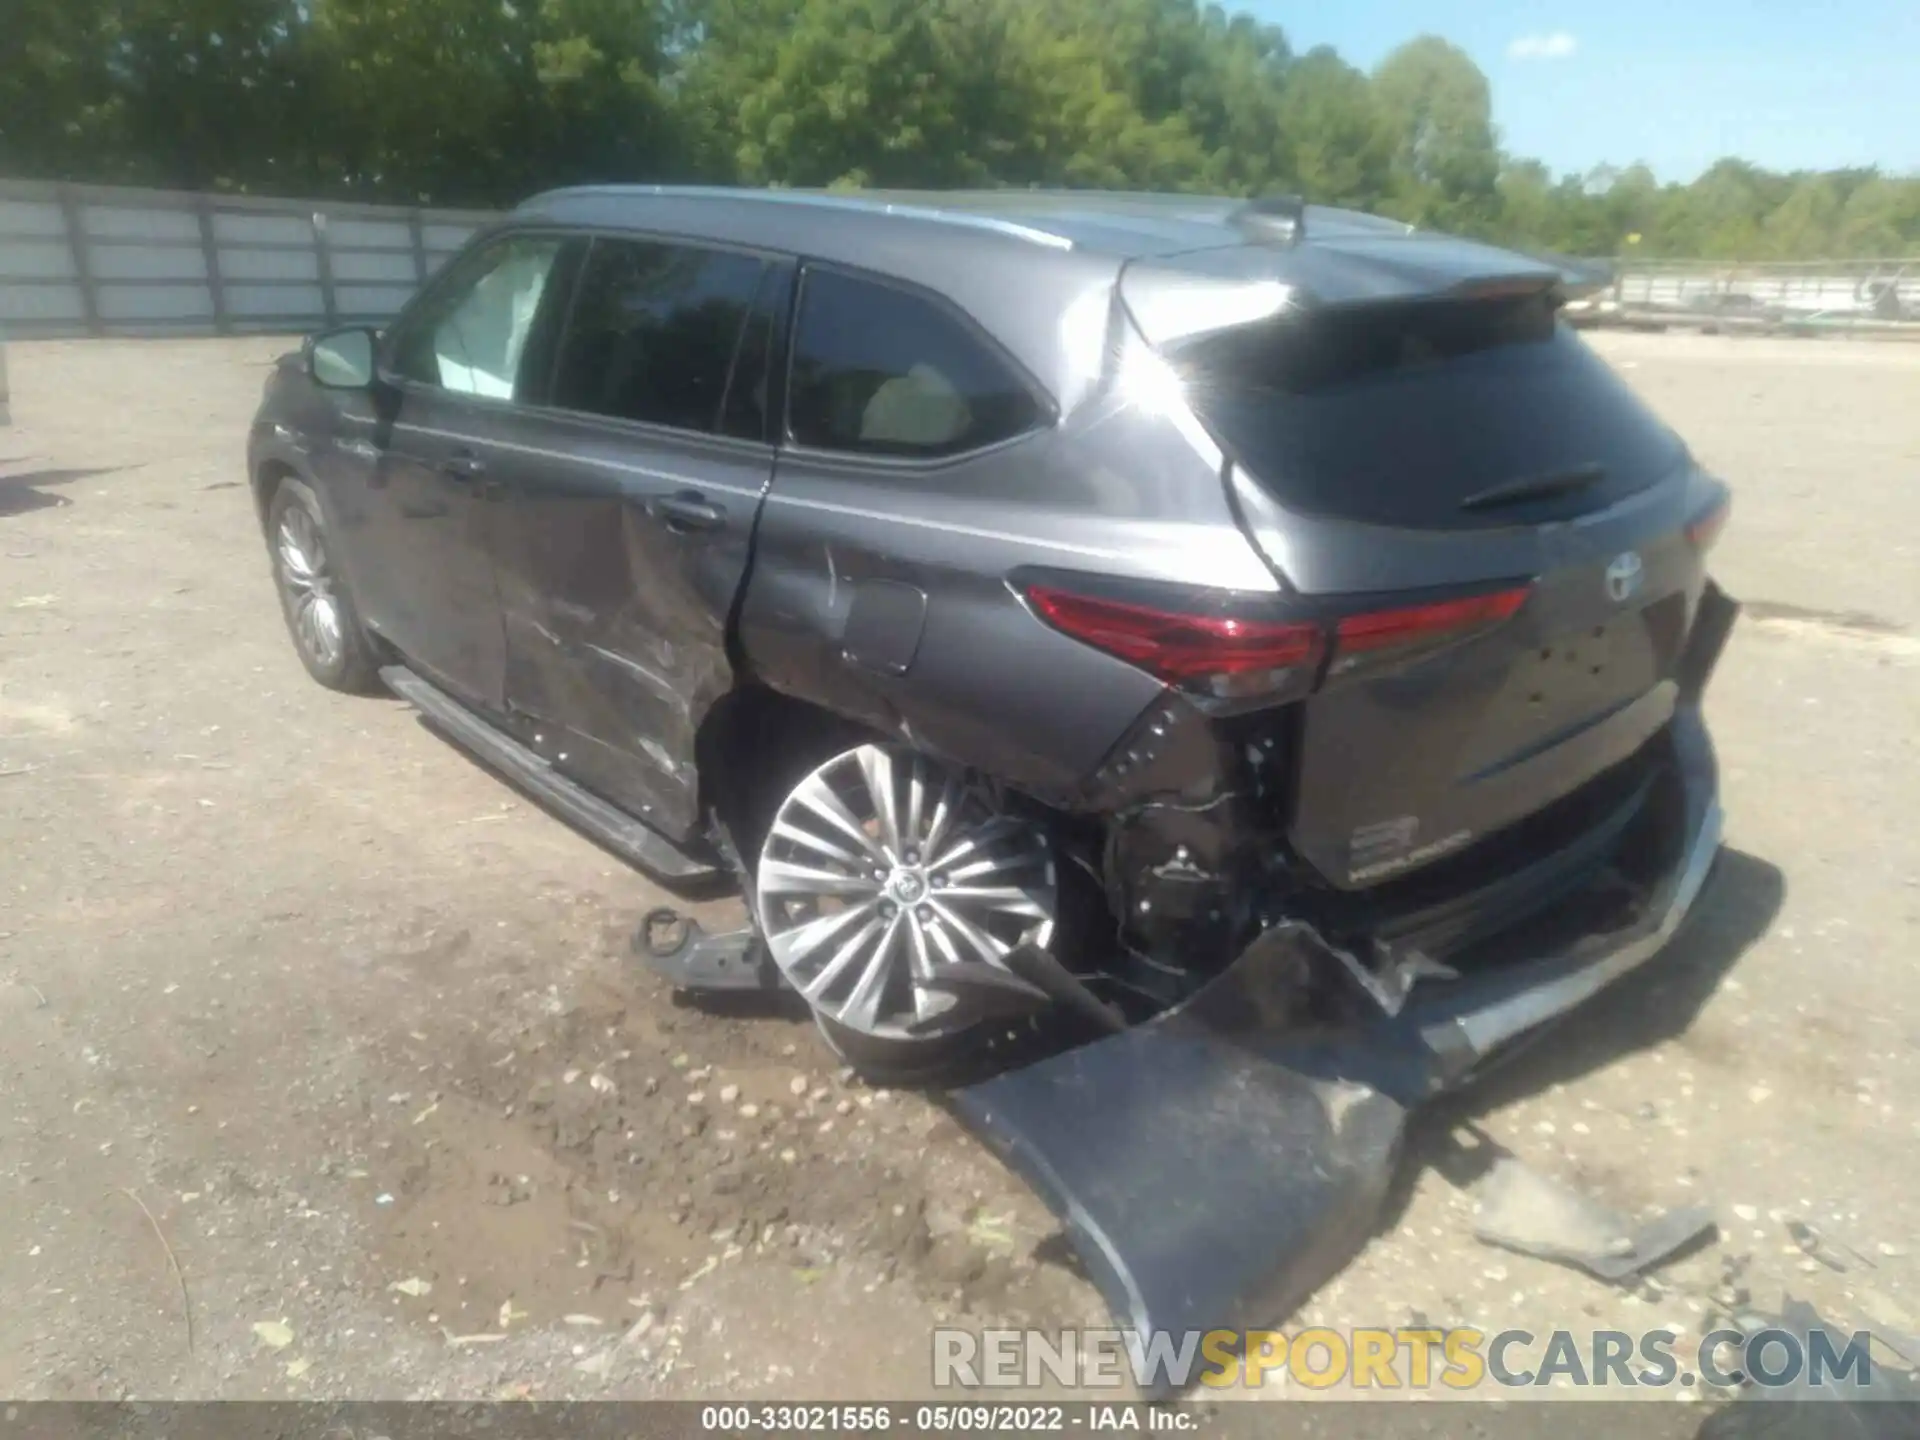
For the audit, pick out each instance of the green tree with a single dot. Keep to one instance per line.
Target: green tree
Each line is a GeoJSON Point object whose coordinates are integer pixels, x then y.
{"type": "Point", "coordinates": [1438, 116]}
{"type": "Point", "coordinates": [1806, 224]}
{"type": "Point", "coordinates": [1881, 219]}
{"type": "Point", "coordinates": [191, 93]}
{"type": "Point", "coordinates": [1338, 150]}
{"type": "Point", "coordinates": [861, 92]}
{"type": "Point", "coordinates": [482, 101]}
{"type": "Point", "coordinates": [449, 100]}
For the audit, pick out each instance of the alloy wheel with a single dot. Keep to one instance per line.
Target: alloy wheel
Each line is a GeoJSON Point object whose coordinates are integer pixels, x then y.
{"type": "Point", "coordinates": [880, 868]}
{"type": "Point", "coordinates": [302, 554]}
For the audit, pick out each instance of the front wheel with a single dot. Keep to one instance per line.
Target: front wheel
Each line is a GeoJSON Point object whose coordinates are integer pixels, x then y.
{"type": "Point", "coordinates": [880, 870]}
{"type": "Point", "coordinates": [319, 611]}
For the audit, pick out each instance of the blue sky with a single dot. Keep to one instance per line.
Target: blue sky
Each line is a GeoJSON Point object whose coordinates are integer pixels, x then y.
{"type": "Point", "coordinates": [1790, 84]}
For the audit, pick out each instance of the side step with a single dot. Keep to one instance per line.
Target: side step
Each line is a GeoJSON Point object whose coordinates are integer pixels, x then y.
{"type": "Point", "coordinates": [614, 829]}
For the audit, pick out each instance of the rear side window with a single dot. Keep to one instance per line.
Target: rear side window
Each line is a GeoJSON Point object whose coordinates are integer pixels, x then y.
{"type": "Point", "coordinates": [1394, 415]}
{"type": "Point", "coordinates": [883, 371]}
{"type": "Point", "coordinates": [654, 332]}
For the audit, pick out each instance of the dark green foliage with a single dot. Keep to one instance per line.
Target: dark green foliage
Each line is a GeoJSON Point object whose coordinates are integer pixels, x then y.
{"type": "Point", "coordinates": [478, 102]}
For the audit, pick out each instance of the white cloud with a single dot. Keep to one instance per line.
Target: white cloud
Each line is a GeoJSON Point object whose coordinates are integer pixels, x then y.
{"type": "Point", "coordinates": [1555, 46]}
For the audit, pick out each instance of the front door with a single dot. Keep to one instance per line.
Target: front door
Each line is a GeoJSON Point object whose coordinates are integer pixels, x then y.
{"type": "Point", "coordinates": [451, 373]}
{"type": "Point", "coordinates": [631, 494]}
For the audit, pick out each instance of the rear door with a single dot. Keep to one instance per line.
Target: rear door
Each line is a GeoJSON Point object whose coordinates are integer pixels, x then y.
{"type": "Point", "coordinates": [916, 476]}
{"type": "Point", "coordinates": [1498, 532]}
{"type": "Point", "coordinates": [630, 496]}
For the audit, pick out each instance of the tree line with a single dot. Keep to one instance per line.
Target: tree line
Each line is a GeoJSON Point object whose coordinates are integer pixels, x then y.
{"type": "Point", "coordinates": [480, 102]}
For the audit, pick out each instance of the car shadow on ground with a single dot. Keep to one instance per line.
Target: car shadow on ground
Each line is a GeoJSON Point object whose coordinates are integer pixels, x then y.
{"type": "Point", "coordinates": [20, 494]}
{"type": "Point", "coordinates": [1655, 1004]}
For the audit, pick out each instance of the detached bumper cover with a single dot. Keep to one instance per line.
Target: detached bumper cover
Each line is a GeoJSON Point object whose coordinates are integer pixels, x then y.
{"type": "Point", "coordinates": [1215, 1166]}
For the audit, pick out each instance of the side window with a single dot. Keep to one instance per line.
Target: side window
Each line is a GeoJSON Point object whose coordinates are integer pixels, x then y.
{"type": "Point", "coordinates": [654, 332]}
{"type": "Point", "coordinates": [471, 335]}
{"type": "Point", "coordinates": [878, 370]}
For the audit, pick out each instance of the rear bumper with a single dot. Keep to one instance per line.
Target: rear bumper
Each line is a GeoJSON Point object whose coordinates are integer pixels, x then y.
{"type": "Point", "coordinates": [1471, 1019]}
{"type": "Point", "coordinates": [1465, 1022]}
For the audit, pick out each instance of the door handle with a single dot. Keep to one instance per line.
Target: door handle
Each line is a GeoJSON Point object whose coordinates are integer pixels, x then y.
{"type": "Point", "coordinates": [689, 510]}
{"type": "Point", "coordinates": [463, 466]}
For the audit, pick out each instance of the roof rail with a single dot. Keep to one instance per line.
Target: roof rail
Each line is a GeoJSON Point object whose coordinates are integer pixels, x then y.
{"type": "Point", "coordinates": [851, 200]}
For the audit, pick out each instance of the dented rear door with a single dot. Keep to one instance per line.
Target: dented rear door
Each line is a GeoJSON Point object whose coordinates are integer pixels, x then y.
{"type": "Point", "coordinates": [629, 511]}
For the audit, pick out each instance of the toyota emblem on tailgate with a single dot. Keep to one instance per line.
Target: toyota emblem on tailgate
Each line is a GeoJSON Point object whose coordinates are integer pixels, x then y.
{"type": "Point", "coordinates": [1623, 577]}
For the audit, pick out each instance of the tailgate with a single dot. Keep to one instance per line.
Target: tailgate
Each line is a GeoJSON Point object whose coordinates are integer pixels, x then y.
{"type": "Point", "coordinates": [1507, 530]}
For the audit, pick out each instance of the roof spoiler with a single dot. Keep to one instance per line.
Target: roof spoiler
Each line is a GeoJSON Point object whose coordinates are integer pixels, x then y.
{"type": "Point", "coordinates": [1177, 298]}
{"type": "Point", "coordinates": [1579, 276]}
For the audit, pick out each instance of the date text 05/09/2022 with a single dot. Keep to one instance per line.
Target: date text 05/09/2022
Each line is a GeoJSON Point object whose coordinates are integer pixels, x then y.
{"type": "Point", "coordinates": [947, 1419]}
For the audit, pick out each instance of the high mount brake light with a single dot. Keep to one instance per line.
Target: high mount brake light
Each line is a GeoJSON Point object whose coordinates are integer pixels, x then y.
{"type": "Point", "coordinates": [1233, 656]}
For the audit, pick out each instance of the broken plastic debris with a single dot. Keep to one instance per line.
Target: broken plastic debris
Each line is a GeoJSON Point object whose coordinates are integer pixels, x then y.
{"type": "Point", "coordinates": [413, 1285]}
{"type": "Point", "coordinates": [383, 1199]}
{"type": "Point", "coordinates": [274, 1334]}
{"type": "Point", "coordinates": [508, 1314]}
{"type": "Point", "coordinates": [581, 1320]}
{"type": "Point", "coordinates": [297, 1368]}
{"type": "Point", "coordinates": [1520, 1209]}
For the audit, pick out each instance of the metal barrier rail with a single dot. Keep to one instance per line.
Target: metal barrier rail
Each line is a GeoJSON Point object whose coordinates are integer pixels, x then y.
{"type": "Point", "coordinates": [108, 260]}
{"type": "Point", "coordinates": [1866, 297]}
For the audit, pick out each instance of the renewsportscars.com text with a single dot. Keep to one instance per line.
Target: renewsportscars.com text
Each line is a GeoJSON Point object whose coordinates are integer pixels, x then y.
{"type": "Point", "coordinates": [1403, 1359]}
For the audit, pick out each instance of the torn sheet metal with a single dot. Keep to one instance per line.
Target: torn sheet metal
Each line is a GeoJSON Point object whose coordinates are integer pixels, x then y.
{"type": "Point", "coordinates": [1518, 1208]}
{"type": "Point", "coordinates": [1217, 1164]}
{"type": "Point", "coordinates": [678, 949]}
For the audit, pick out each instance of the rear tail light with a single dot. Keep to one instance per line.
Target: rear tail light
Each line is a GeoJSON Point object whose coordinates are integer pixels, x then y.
{"type": "Point", "coordinates": [1218, 653]}
{"type": "Point", "coordinates": [1705, 527]}
{"type": "Point", "coordinates": [1230, 656]}
{"type": "Point", "coordinates": [1378, 634]}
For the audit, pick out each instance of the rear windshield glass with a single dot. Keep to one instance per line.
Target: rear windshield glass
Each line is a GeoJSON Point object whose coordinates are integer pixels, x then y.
{"type": "Point", "coordinates": [1396, 414]}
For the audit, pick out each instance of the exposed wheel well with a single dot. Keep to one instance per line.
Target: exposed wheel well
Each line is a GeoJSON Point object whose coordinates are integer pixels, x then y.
{"type": "Point", "coordinates": [751, 740]}
{"type": "Point", "coordinates": [265, 481]}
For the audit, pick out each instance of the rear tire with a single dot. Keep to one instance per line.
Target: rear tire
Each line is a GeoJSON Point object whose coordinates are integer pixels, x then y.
{"type": "Point", "coordinates": [314, 600]}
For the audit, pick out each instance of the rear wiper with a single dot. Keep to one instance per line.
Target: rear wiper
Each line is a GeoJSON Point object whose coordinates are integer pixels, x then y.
{"type": "Point", "coordinates": [1535, 487]}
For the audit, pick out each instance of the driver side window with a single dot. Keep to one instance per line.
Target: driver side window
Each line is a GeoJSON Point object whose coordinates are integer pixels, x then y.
{"type": "Point", "coordinates": [471, 335]}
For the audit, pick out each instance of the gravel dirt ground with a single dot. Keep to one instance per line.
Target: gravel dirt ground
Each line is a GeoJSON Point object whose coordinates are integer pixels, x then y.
{"type": "Point", "coordinates": [313, 1032]}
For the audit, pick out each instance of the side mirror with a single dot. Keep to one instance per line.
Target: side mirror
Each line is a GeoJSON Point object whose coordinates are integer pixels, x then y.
{"type": "Point", "coordinates": [342, 359]}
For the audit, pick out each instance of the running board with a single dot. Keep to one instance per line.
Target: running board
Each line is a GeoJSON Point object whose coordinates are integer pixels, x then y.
{"type": "Point", "coordinates": [615, 830]}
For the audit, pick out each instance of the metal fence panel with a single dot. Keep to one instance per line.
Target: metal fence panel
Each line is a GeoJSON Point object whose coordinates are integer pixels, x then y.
{"type": "Point", "coordinates": [99, 260]}
{"type": "Point", "coordinates": [1863, 297]}
{"type": "Point", "coordinates": [103, 260]}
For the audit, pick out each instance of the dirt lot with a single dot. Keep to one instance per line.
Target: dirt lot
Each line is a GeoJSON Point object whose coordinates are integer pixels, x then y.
{"type": "Point", "coordinates": [351, 1022]}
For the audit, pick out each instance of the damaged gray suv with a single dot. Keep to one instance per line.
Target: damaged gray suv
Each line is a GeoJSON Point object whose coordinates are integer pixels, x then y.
{"type": "Point", "coordinates": [1040, 605]}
